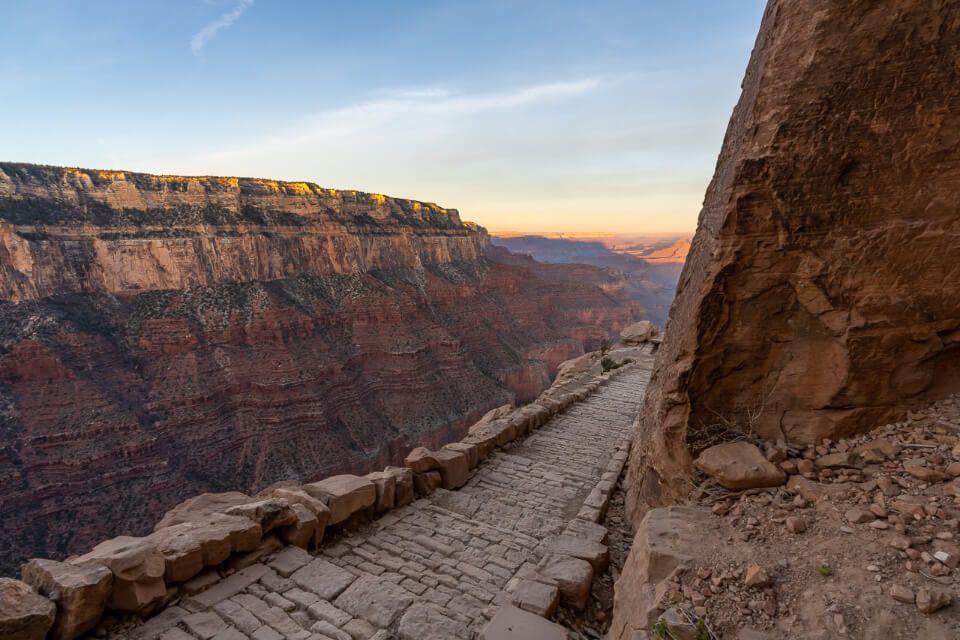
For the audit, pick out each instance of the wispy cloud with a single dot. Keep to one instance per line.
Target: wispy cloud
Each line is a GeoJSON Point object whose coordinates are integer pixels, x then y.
{"type": "Point", "coordinates": [403, 115]}
{"type": "Point", "coordinates": [202, 37]}
{"type": "Point", "coordinates": [405, 109]}
{"type": "Point", "coordinates": [426, 92]}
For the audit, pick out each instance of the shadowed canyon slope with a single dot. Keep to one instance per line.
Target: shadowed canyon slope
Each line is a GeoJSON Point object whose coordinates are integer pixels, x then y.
{"type": "Point", "coordinates": [165, 336]}
{"type": "Point", "coordinates": [822, 293]}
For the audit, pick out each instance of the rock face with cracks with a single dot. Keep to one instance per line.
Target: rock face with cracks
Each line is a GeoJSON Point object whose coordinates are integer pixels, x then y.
{"type": "Point", "coordinates": [821, 296]}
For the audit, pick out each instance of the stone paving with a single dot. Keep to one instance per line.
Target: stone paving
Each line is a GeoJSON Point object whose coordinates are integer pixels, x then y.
{"type": "Point", "coordinates": [436, 569]}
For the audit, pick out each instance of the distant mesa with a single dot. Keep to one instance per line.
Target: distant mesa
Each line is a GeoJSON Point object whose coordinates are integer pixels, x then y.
{"type": "Point", "coordinates": [674, 253]}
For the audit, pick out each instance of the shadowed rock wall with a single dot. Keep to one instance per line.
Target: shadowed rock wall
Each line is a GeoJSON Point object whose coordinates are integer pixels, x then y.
{"type": "Point", "coordinates": [822, 293]}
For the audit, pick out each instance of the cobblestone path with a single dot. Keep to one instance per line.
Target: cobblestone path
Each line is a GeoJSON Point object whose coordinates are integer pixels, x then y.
{"type": "Point", "coordinates": [437, 568]}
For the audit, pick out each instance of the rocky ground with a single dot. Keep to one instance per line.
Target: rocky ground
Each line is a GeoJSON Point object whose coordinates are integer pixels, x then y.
{"type": "Point", "coordinates": [856, 539]}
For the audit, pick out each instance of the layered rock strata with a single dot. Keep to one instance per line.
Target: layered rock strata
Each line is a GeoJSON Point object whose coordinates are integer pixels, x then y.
{"type": "Point", "coordinates": [820, 297]}
{"type": "Point", "coordinates": [161, 337]}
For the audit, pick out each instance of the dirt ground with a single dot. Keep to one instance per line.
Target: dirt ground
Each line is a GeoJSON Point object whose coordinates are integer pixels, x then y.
{"type": "Point", "coordinates": [861, 542]}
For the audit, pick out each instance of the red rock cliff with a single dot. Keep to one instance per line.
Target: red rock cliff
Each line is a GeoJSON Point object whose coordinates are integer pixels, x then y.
{"type": "Point", "coordinates": [822, 292]}
{"type": "Point", "coordinates": [165, 336]}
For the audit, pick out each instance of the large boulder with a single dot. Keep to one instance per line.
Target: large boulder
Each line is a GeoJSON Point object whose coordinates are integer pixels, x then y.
{"type": "Point", "coordinates": [573, 576]}
{"type": "Point", "coordinates": [269, 513]}
{"type": "Point", "coordinates": [24, 615]}
{"type": "Point", "coordinates": [386, 485]}
{"type": "Point", "coordinates": [495, 414]}
{"type": "Point", "coordinates": [81, 593]}
{"type": "Point", "coordinates": [587, 364]}
{"type": "Point", "coordinates": [425, 484]}
{"type": "Point", "coordinates": [182, 549]}
{"type": "Point", "coordinates": [137, 566]}
{"type": "Point", "coordinates": [204, 504]}
{"type": "Point", "coordinates": [739, 465]}
{"type": "Point", "coordinates": [420, 460]}
{"type": "Point", "coordinates": [297, 495]}
{"type": "Point", "coordinates": [593, 552]}
{"type": "Point", "coordinates": [470, 450]}
{"type": "Point", "coordinates": [345, 495]}
{"type": "Point", "coordinates": [667, 539]}
{"type": "Point", "coordinates": [219, 534]}
{"type": "Point", "coordinates": [536, 596]}
{"type": "Point", "coordinates": [298, 499]}
{"type": "Point", "coordinates": [512, 623]}
{"type": "Point", "coordinates": [404, 490]}
{"type": "Point", "coordinates": [639, 333]}
{"type": "Point", "coordinates": [304, 531]}
{"type": "Point", "coordinates": [453, 467]}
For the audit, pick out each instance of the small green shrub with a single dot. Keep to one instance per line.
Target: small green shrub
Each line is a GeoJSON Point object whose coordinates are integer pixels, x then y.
{"type": "Point", "coordinates": [609, 364]}
{"type": "Point", "coordinates": [660, 630]}
{"type": "Point", "coordinates": [825, 570]}
{"type": "Point", "coordinates": [702, 632]}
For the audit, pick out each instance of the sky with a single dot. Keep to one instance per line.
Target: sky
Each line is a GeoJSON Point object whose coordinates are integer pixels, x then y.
{"type": "Point", "coordinates": [526, 115]}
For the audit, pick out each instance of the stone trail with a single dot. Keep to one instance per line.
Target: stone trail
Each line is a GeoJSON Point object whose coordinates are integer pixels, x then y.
{"type": "Point", "coordinates": [439, 567]}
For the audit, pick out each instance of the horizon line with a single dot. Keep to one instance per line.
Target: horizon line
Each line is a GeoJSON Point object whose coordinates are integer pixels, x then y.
{"type": "Point", "coordinates": [592, 234]}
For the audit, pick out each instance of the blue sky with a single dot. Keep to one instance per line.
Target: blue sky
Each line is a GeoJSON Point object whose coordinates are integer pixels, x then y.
{"type": "Point", "coordinates": [526, 115]}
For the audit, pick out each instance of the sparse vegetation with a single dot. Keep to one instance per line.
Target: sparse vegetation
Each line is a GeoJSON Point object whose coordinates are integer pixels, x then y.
{"type": "Point", "coordinates": [660, 630]}
{"type": "Point", "coordinates": [825, 570]}
{"type": "Point", "coordinates": [610, 364]}
{"type": "Point", "coordinates": [702, 632]}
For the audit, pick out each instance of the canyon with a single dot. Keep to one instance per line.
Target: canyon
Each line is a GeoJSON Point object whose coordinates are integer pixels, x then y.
{"type": "Point", "coordinates": [163, 336]}
{"type": "Point", "coordinates": [791, 445]}
{"type": "Point", "coordinates": [646, 269]}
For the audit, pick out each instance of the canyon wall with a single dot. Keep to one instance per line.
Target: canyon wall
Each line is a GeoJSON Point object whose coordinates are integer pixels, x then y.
{"type": "Point", "coordinates": [165, 336]}
{"type": "Point", "coordinates": [822, 293]}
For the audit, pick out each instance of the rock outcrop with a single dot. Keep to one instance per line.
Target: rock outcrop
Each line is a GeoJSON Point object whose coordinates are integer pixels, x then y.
{"type": "Point", "coordinates": [639, 333]}
{"type": "Point", "coordinates": [738, 466]}
{"type": "Point", "coordinates": [820, 297]}
{"type": "Point", "coordinates": [24, 615]}
{"type": "Point", "coordinates": [161, 337]}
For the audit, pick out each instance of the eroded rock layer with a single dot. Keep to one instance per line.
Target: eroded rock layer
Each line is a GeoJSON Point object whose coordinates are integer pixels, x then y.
{"type": "Point", "coordinates": [162, 336]}
{"type": "Point", "coordinates": [822, 293]}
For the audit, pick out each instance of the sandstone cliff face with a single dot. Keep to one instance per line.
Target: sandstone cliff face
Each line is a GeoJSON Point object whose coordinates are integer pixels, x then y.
{"type": "Point", "coordinates": [820, 297]}
{"type": "Point", "coordinates": [68, 230]}
{"type": "Point", "coordinates": [161, 337]}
